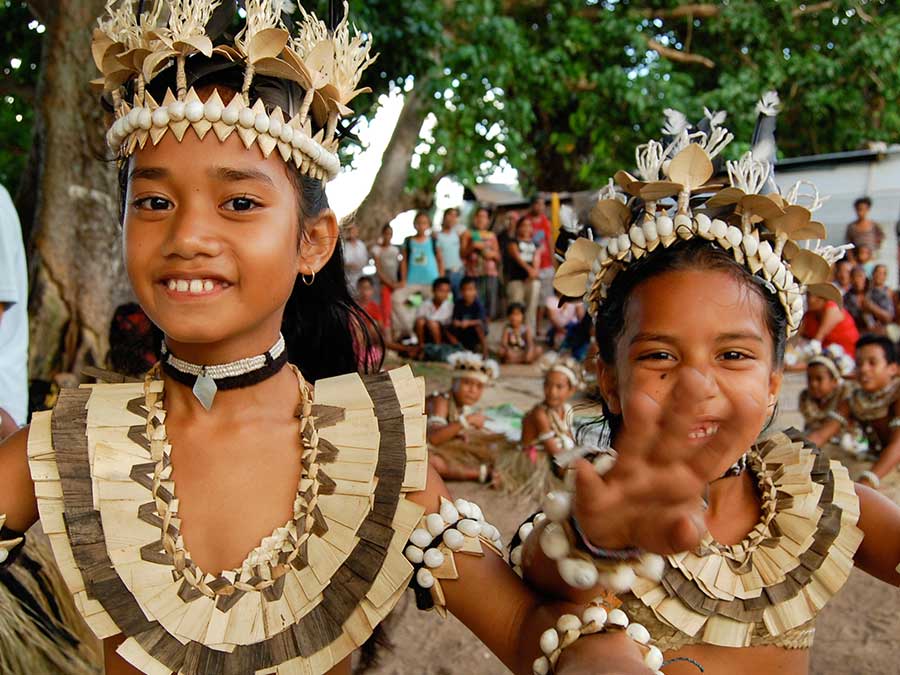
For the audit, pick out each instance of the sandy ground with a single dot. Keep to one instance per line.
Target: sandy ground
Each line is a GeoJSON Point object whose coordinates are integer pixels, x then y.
{"type": "Point", "coordinates": [858, 633]}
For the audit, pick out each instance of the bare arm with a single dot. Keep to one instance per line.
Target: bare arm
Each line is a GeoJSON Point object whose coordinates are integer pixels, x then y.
{"type": "Point", "coordinates": [830, 320]}
{"type": "Point", "coordinates": [440, 261]}
{"type": "Point", "coordinates": [535, 425]}
{"type": "Point", "coordinates": [441, 433]}
{"type": "Point", "coordinates": [404, 269]}
{"type": "Point", "coordinates": [511, 624]}
{"type": "Point", "coordinates": [879, 519]}
{"type": "Point", "coordinates": [890, 456]}
{"type": "Point", "coordinates": [17, 498]}
{"type": "Point", "coordinates": [830, 428]}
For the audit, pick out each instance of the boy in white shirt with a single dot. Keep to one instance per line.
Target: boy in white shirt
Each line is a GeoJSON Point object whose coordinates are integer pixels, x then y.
{"type": "Point", "coordinates": [434, 315]}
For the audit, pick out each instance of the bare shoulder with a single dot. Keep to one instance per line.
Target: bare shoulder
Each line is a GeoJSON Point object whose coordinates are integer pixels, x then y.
{"type": "Point", "coordinates": [17, 498]}
{"type": "Point", "coordinates": [436, 404]}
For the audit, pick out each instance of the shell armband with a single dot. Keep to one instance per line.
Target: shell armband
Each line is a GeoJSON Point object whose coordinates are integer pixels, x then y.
{"type": "Point", "coordinates": [459, 527]}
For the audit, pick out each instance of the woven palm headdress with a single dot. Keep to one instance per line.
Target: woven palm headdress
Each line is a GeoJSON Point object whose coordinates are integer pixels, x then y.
{"type": "Point", "coordinates": [136, 42]}
{"type": "Point", "coordinates": [676, 198]}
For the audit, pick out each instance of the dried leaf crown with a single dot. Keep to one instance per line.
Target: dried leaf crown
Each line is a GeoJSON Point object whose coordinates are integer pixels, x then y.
{"type": "Point", "coordinates": [132, 45]}
{"type": "Point", "coordinates": [676, 198]}
{"type": "Point", "coordinates": [467, 364]}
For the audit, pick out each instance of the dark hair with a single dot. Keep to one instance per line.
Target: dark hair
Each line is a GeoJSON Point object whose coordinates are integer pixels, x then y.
{"type": "Point", "coordinates": [466, 281]}
{"type": "Point", "coordinates": [420, 214]}
{"type": "Point", "coordinates": [535, 198]}
{"type": "Point", "coordinates": [327, 333]}
{"type": "Point", "coordinates": [440, 281]}
{"type": "Point", "coordinates": [886, 344]}
{"type": "Point", "coordinates": [364, 279]}
{"type": "Point", "coordinates": [482, 207]}
{"type": "Point", "coordinates": [387, 227]}
{"type": "Point", "coordinates": [879, 266]}
{"type": "Point", "coordinates": [863, 200]}
{"type": "Point", "coordinates": [515, 307]}
{"type": "Point", "coordinates": [135, 343]}
{"type": "Point", "coordinates": [452, 209]}
{"type": "Point", "coordinates": [687, 255]}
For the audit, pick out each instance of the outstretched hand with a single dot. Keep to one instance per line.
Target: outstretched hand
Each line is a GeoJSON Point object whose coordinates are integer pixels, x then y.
{"type": "Point", "coordinates": [652, 498]}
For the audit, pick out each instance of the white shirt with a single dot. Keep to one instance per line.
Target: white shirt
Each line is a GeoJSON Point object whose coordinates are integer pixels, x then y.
{"type": "Point", "coordinates": [14, 322]}
{"type": "Point", "coordinates": [441, 314]}
{"type": "Point", "coordinates": [356, 256]}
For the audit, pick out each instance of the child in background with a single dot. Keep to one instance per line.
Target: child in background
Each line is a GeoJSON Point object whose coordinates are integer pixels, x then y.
{"type": "Point", "coordinates": [482, 255]}
{"type": "Point", "coordinates": [523, 284]}
{"type": "Point", "coordinates": [387, 267]}
{"type": "Point", "coordinates": [873, 405]}
{"type": "Point", "coordinates": [434, 315]}
{"type": "Point", "coordinates": [517, 342]}
{"type": "Point", "coordinates": [547, 430]}
{"type": "Point", "coordinates": [365, 296]}
{"type": "Point", "coordinates": [468, 327]}
{"type": "Point", "coordinates": [864, 259]}
{"type": "Point", "coordinates": [422, 263]}
{"type": "Point", "coordinates": [448, 242]}
{"type": "Point", "coordinates": [825, 388]}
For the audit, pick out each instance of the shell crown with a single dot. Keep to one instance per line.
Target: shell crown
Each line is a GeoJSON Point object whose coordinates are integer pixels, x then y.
{"type": "Point", "coordinates": [677, 197]}
{"type": "Point", "coordinates": [135, 42]}
{"type": "Point", "coordinates": [465, 363]}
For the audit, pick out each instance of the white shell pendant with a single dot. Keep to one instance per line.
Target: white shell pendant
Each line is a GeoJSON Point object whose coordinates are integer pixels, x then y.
{"type": "Point", "coordinates": [205, 389]}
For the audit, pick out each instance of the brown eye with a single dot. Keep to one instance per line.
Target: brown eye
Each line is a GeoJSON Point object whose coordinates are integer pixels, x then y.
{"type": "Point", "coordinates": [152, 204]}
{"type": "Point", "coordinates": [240, 204]}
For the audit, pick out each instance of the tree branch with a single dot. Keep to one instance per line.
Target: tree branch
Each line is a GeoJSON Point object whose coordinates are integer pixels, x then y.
{"type": "Point", "coordinates": [679, 57]}
{"type": "Point", "coordinates": [812, 9]}
{"type": "Point", "coordinates": [696, 11]}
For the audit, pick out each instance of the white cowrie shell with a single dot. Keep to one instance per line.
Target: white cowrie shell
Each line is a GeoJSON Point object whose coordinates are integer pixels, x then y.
{"type": "Point", "coordinates": [751, 245]}
{"type": "Point", "coordinates": [718, 228]}
{"type": "Point", "coordinates": [702, 222]}
{"type": "Point", "coordinates": [665, 226]}
{"type": "Point", "coordinates": [637, 236]}
{"type": "Point", "coordinates": [612, 248]}
{"type": "Point", "coordinates": [193, 111]}
{"type": "Point", "coordinates": [624, 243]}
{"type": "Point", "coordinates": [684, 226]}
{"type": "Point", "coordinates": [650, 231]}
{"type": "Point", "coordinates": [734, 236]}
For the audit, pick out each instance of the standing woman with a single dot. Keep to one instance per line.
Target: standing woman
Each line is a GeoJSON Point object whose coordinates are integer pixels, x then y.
{"type": "Point", "coordinates": [482, 254]}
{"type": "Point", "coordinates": [224, 514]}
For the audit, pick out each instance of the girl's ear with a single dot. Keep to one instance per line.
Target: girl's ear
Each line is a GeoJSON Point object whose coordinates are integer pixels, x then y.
{"type": "Point", "coordinates": [609, 386]}
{"type": "Point", "coordinates": [317, 242]}
{"type": "Point", "coordinates": [775, 380]}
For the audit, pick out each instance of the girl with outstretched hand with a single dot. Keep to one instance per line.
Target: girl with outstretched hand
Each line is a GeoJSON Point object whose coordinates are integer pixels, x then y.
{"type": "Point", "coordinates": [694, 298]}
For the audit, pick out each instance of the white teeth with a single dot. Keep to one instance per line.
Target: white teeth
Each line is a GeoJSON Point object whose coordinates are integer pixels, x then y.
{"type": "Point", "coordinates": [704, 433]}
{"type": "Point", "coordinates": [192, 286]}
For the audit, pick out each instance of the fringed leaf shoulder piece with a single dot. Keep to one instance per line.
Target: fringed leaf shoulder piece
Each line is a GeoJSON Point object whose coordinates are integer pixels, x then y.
{"type": "Point", "coordinates": [105, 500]}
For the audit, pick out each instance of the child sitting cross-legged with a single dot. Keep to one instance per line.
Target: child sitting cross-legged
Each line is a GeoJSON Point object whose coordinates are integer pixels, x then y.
{"type": "Point", "coordinates": [826, 388]}
{"type": "Point", "coordinates": [517, 342]}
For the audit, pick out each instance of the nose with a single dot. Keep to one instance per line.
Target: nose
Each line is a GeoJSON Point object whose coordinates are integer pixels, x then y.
{"type": "Point", "coordinates": [696, 384]}
{"type": "Point", "coordinates": [192, 232]}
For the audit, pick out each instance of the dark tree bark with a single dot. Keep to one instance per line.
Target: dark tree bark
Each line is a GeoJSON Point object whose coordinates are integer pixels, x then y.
{"type": "Point", "coordinates": [74, 245]}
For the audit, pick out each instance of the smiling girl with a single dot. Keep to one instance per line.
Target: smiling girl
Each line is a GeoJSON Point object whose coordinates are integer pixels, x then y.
{"type": "Point", "coordinates": [224, 514]}
{"type": "Point", "coordinates": [693, 300]}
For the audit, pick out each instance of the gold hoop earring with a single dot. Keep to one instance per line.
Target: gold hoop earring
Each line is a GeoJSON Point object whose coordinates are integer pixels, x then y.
{"type": "Point", "coordinates": [311, 280]}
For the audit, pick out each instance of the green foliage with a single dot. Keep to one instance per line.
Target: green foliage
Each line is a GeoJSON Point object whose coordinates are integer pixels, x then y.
{"type": "Point", "coordinates": [564, 90]}
{"type": "Point", "coordinates": [21, 42]}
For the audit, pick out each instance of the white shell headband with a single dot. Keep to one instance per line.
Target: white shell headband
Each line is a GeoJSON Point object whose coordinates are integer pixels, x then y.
{"type": "Point", "coordinates": [473, 366]}
{"type": "Point", "coordinates": [130, 50]}
{"type": "Point", "coordinates": [675, 200]}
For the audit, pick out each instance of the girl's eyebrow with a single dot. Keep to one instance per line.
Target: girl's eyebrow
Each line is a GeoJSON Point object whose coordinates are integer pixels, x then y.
{"type": "Point", "coordinates": [652, 337]}
{"type": "Point", "coordinates": [728, 337]}
{"type": "Point", "coordinates": [148, 173]}
{"type": "Point", "coordinates": [232, 175]}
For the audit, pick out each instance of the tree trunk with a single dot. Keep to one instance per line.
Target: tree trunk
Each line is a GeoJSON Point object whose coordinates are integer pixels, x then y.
{"type": "Point", "coordinates": [78, 277]}
{"type": "Point", "coordinates": [389, 196]}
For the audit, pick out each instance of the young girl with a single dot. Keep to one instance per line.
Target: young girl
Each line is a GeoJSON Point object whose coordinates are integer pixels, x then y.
{"type": "Point", "coordinates": [517, 341]}
{"type": "Point", "coordinates": [482, 255]}
{"type": "Point", "coordinates": [387, 267]}
{"type": "Point", "coordinates": [825, 387]}
{"type": "Point", "coordinates": [692, 315]}
{"type": "Point", "coordinates": [547, 431]}
{"type": "Point", "coordinates": [873, 406]}
{"type": "Point", "coordinates": [460, 448]}
{"type": "Point", "coordinates": [152, 493]}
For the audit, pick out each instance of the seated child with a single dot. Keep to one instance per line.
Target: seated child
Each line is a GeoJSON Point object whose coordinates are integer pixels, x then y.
{"type": "Point", "coordinates": [468, 325]}
{"type": "Point", "coordinates": [517, 343]}
{"type": "Point", "coordinates": [547, 431]}
{"type": "Point", "coordinates": [459, 447]}
{"type": "Point", "coordinates": [433, 315]}
{"type": "Point", "coordinates": [365, 296]}
{"type": "Point", "coordinates": [825, 387]}
{"type": "Point", "coordinates": [873, 405]}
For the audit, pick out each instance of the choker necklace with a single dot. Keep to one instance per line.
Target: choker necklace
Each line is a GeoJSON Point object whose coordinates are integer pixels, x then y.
{"type": "Point", "coordinates": [207, 380]}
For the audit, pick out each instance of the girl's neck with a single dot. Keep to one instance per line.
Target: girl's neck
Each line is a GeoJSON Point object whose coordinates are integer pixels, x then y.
{"type": "Point", "coordinates": [421, 236]}
{"type": "Point", "coordinates": [733, 508]}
